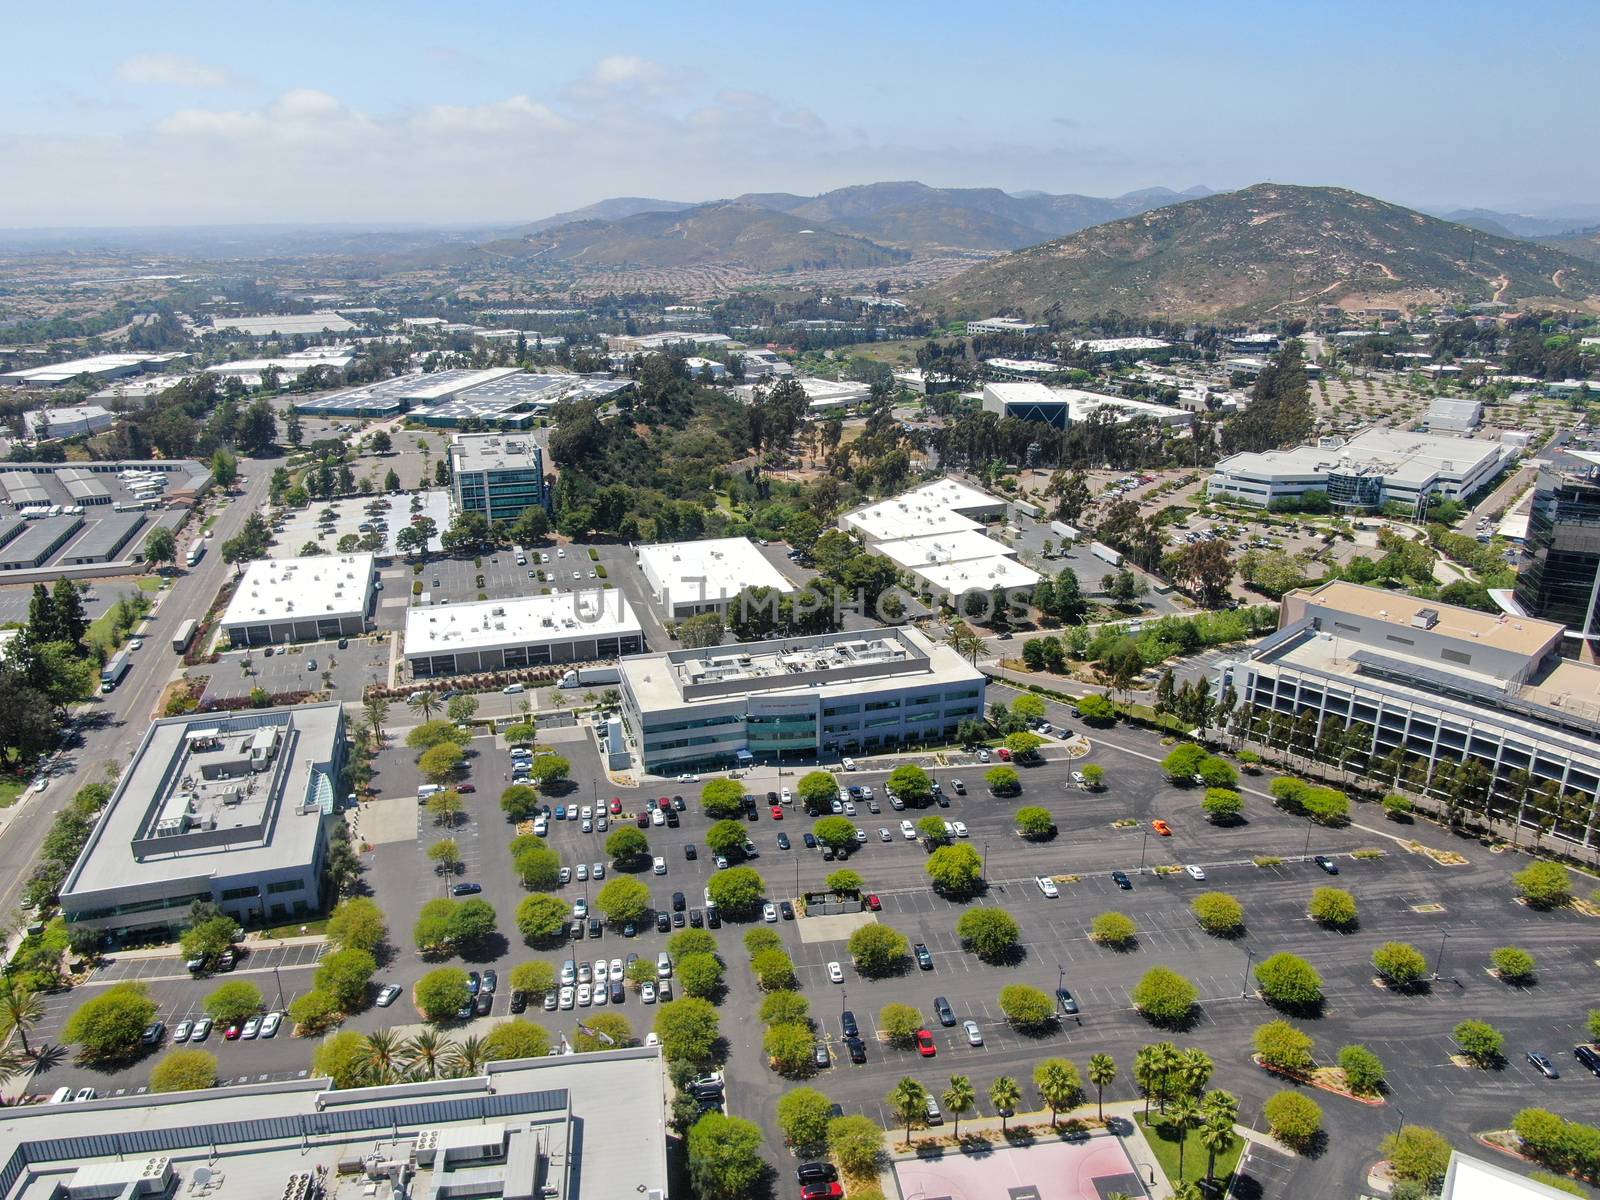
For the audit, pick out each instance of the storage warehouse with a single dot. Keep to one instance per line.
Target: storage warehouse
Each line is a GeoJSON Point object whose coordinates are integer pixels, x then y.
{"type": "Point", "coordinates": [501, 635]}
{"type": "Point", "coordinates": [694, 577]}
{"type": "Point", "coordinates": [300, 599]}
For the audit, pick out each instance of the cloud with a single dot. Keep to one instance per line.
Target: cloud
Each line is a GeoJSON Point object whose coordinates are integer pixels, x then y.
{"type": "Point", "coordinates": [623, 74]}
{"type": "Point", "coordinates": [171, 70]}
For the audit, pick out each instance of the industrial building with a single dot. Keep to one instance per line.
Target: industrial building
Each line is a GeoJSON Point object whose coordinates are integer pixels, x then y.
{"type": "Point", "coordinates": [1370, 470]}
{"type": "Point", "coordinates": [498, 474]}
{"type": "Point", "coordinates": [1007, 325]}
{"type": "Point", "coordinates": [694, 577]}
{"type": "Point", "coordinates": [508, 397]}
{"type": "Point", "coordinates": [226, 808]}
{"type": "Point", "coordinates": [518, 1129]}
{"type": "Point", "coordinates": [834, 693]}
{"type": "Point", "coordinates": [524, 631]}
{"type": "Point", "coordinates": [1421, 684]}
{"type": "Point", "coordinates": [284, 324]}
{"type": "Point", "coordinates": [1468, 1178]}
{"type": "Point", "coordinates": [1122, 345]}
{"type": "Point", "coordinates": [300, 599]}
{"type": "Point", "coordinates": [1060, 407]}
{"type": "Point", "coordinates": [76, 421]}
{"type": "Point", "coordinates": [174, 482]}
{"type": "Point", "coordinates": [1448, 415]}
{"type": "Point", "coordinates": [103, 539]}
{"type": "Point", "coordinates": [37, 541]}
{"type": "Point", "coordinates": [291, 366]}
{"type": "Point", "coordinates": [1562, 579]}
{"type": "Point", "coordinates": [825, 397]}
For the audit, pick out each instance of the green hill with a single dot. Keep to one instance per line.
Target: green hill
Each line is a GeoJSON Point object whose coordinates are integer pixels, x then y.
{"type": "Point", "coordinates": [1266, 251]}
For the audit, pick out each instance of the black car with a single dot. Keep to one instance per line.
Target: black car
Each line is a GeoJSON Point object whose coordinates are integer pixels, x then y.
{"type": "Point", "coordinates": [944, 801]}
{"type": "Point", "coordinates": [153, 1033]}
{"type": "Point", "coordinates": [484, 1003]}
{"type": "Point", "coordinates": [810, 841]}
{"type": "Point", "coordinates": [1066, 1003]}
{"type": "Point", "coordinates": [924, 959]}
{"type": "Point", "coordinates": [829, 854]}
{"type": "Point", "coordinates": [677, 920]}
{"type": "Point", "coordinates": [464, 1013]}
{"type": "Point", "coordinates": [596, 927]}
{"type": "Point", "coordinates": [1120, 878]}
{"type": "Point", "coordinates": [678, 902]}
{"type": "Point", "coordinates": [618, 993]}
{"type": "Point", "coordinates": [752, 813]}
{"type": "Point", "coordinates": [1327, 864]}
{"type": "Point", "coordinates": [695, 918]}
{"type": "Point", "coordinates": [847, 1022]}
{"type": "Point", "coordinates": [672, 819]}
{"type": "Point", "coordinates": [816, 1172]}
{"type": "Point", "coordinates": [1588, 1058]}
{"type": "Point", "coordinates": [1542, 1064]}
{"type": "Point", "coordinates": [783, 841]}
{"type": "Point", "coordinates": [819, 1054]}
{"type": "Point", "coordinates": [689, 852]}
{"type": "Point", "coordinates": [858, 1049]}
{"type": "Point", "coordinates": [713, 918]}
{"type": "Point", "coordinates": [473, 983]}
{"type": "Point", "coordinates": [490, 982]}
{"type": "Point", "coordinates": [772, 797]}
{"type": "Point", "coordinates": [519, 1001]}
{"type": "Point", "coordinates": [941, 1006]}
{"type": "Point", "coordinates": [663, 922]}
{"type": "Point", "coordinates": [786, 909]}
{"type": "Point", "coordinates": [677, 803]}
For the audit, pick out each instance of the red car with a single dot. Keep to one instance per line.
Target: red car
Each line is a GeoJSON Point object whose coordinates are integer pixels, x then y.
{"type": "Point", "coordinates": [777, 813]}
{"type": "Point", "coordinates": [874, 903]}
{"type": "Point", "coordinates": [925, 1046]}
{"type": "Point", "coordinates": [643, 820]}
{"type": "Point", "coordinates": [1005, 755]}
{"type": "Point", "coordinates": [821, 1191]}
{"type": "Point", "coordinates": [466, 789]}
{"type": "Point", "coordinates": [232, 1031]}
{"type": "Point", "coordinates": [665, 804]}
{"type": "Point", "coordinates": [1162, 828]}
{"type": "Point", "coordinates": [616, 805]}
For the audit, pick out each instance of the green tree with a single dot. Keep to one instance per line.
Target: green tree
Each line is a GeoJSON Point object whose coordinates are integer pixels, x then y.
{"type": "Point", "coordinates": [533, 979]}
{"type": "Point", "coordinates": [541, 918]}
{"type": "Point", "coordinates": [700, 630]}
{"type": "Point", "coordinates": [722, 798]}
{"type": "Point", "coordinates": [1284, 1048]}
{"type": "Point", "coordinates": [622, 900]}
{"type": "Point", "coordinates": [1059, 1085]}
{"type": "Point", "coordinates": [357, 924]}
{"type": "Point", "coordinates": [471, 922]}
{"type": "Point", "coordinates": [803, 1115]}
{"type": "Point", "coordinates": [461, 709]}
{"type": "Point", "coordinates": [344, 975]}
{"type": "Point", "coordinates": [1401, 965]}
{"type": "Point", "coordinates": [1096, 709]}
{"type": "Point", "coordinates": [1333, 907]}
{"type": "Point", "coordinates": [878, 949]}
{"type": "Point", "coordinates": [1363, 1070]}
{"type": "Point", "coordinates": [516, 1038]}
{"type": "Point", "coordinates": [538, 867]}
{"type": "Point", "coordinates": [1417, 1154]}
{"type": "Point", "coordinates": [837, 832]}
{"type": "Point", "coordinates": [1480, 1041]}
{"type": "Point", "coordinates": [773, 969]}
{"type": "Point", "coordinates": [184, 1071]}
{"type": "Point", "coordinates": [1294, 1119]}
{"type": "Point", "coordinates": [161, 546]}
{"type": "Point", "coordinates": [899, 1023]}
{"type": "Point", "coordinates": [1005, 1095]}
{"type": "Point", "coordinates": [628, 846]}
{"type": "Point", "coordinates": [960, 1098]}
{"type": "Point", "coordinates": [788, 1049]}
{"type": "Point", "coordinates": [233, 1001]}
{"type": "Point", "coordinates": [1102, 1073]}
{"type": "Point", "coordinates": [785, 1008]}
{"type": "Point", "coordinates": [725, 1160]}
{"type": "Point", "coordinates": [1513, 964]}
{"type": "Point", "coordinates": [1165, 997]}
{"type": "Point", "coordinates": [1544, 884]}
{"type": "Point", "coordinates": [1183, 762]}
{"type": "Point", "coordinates": [909, 1103]}
{"type": "Point", "coordinates": [1218, 913]}
{"type": "Point", "coordinates": [209, 937]}
{"type": "Point", "coordinates": [737, 892]}
{"type": "Point", "coordinates": [602, 1026]}
{"type": "Point", "coordinates": [1222, 806]}
{"type": "Point", "coordinates": [445, 854]}
{"type": "Point", "coordinates": [548, 771]}
{"type": "Point", "coordinates": [314, 1011]}
{"type": "Point", "coordinates": [699, 974]}
{"type": "Point", "coordinates": [441, 993]}
{"type": "Point", "coordinates": [1289, 981]}
{"type": "Point", "coordinates": [445, 807]}
{"type": "Point", "coordinates": [955, 870]}
{"type": "Point", "coordinates": [688, 1030]}
{"type": "Point", "coordinates": [1002, 781]}
{"type": "Point", "coordinates": [520, 802]}
{"type": "Point", "coordinates": [440, 763]}
{"type": "Point", "coordinates": [912, 784]}
{"type": "Point", "coordinates": [341, 1058]}
{"type": "Point", "coordinates": [108, 1027]}
{"type": "Point", "coordinates": [1035, 823]}
{"type": "Point", "coordinates": [430, 733]}
{"type": "Point", "coordinates": [1114, 929]}
{"type": "Point", "coordinates": [856, 1144]}
{"type": "Point", "coordinates": [1026, 1007]}
{"type": "Point", "coordinates": [990, 933]}
{"type": "Point", "coordinates": [845, 882]}
{"type": "Point", "coordinates": [817, 790]}
{"type": "Point", "coordinates": [691, 941]}
{"type": "Point", "coordinates": [726, 838]}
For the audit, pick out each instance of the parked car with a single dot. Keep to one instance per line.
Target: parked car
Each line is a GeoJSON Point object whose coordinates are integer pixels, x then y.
{"type": "Point", "coordinates": [1120, 878]}
{"type": "Point", "coordinates": [1542, 1064]}
{"type": "Point", "coordinates": [1161, 827]}
{"type": "Point", "coordinates": [1048, 887]}
{"type": "Point", "coordinates": [974, 1034]}
{"type": "Point", "coordinates": [1327, 864]}
{"type": "Point", "coordinates": [835, 972]}
{"type": "Point", "coordinates": [925, 1044]}
{"type": "Point", "coordinates": [1195, 872]}
{"type": "Point", "coordinates": [924, 958]}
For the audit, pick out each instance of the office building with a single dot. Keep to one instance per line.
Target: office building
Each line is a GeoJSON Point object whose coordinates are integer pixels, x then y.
{"type": "Point", "coordinates": [1122, 345]}
{"type": "Point", "coordinates": [1422, 686]}
{"type": "Point", "coordinates": [1562, 579]}
{"type": "Point", "coordinates": [1024, 368]}
{"type": "Point", "coordinates": [505, 397]}
{"type": "Point", "coordinates": [497, 474]}
{"type": "Point", "coordinates": [520, 1129]}
{"type": "Point", "coordinates": [1447, 415]}
{"type": "Point", "coordinates": [249, 371]}
{"type": "Point", "coordinates": [706, 576]}
{"type": "Point", "coordinates": [76, 421]}
{"type": "Point", "coordinates": [1007, 325]}
{"type": "Point", "coordinates": [284, 324]}
{"type": "Point", "coordinates": [760, 701]}
{"type": "Point", "coordinates": [1468, 1178]}
{"type": "Point", "coordinates": [226, 808]}
{"type": "Point", "coordinates": [300, 599]}
{"type": "Point", "coordinates": [98, 369]}
{"type": "Point", "coordinates": [1374, 468]}
{"type": "Point", "coordinates": [941, 506]}
{"type": "Point", "coordinates": [1060, 407]}
{"type": "Point", "coordinates": [525, 631]}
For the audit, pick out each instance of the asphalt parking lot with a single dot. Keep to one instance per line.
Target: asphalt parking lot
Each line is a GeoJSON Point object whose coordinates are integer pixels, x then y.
{"type": "Point", "coordinates": [344, 673]}
{"type": "Point", "coordinates": [1398, 894]}
{"type": "Point", "coordinates": [103, 596]}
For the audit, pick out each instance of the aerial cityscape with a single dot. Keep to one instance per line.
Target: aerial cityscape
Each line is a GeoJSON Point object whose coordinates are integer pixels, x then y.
{"type": "Point", "coordinates": [1040, 642]}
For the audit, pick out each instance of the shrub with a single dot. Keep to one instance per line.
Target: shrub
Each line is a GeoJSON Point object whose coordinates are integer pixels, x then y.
{"type": "Point", "coordinates": [1294, 1119]}
{"type": "Point", "coordinates": [899, 1022]}
{"type": "Point", "coordinates": [1026, 1007]}
{"type": "Point", "coordinates": [1283, 1047]}
{"type": "Point", "coordinates": [1217, 772]}
{"type": "Point", "coordinates": [1165, 997]}
{"type": "Point", "coordinates": [1035, 823]}
{"type": "Point", "coordinates": [845, 882]}
{"type": "Point", "coordinates": [1333, 907]}
{"type": "Point", "coordinates": [1544, 884]}
{"type": "Point", "coordinates": [991, 933]}
{"type": "Point", "coordinates": [857, 1144]}
{"type": "Point", "coordinates": [1514, 964]}
{"type": "Point", "coordinates": [1397, 807]}
{"type": "Point", "coordinates": [441, 993]}
{"type": "Point", "coordinates": [1480, 1041]}
{"type": "Point", "coordinates": [184, 1071]}
{"type": "Point", "coordinates": [1363, 1070]}
{"type": "Point", "coordinates": [1222, 805]}
{"type": "Point", "coordinates": [1218, 913]}
{"type": "Point", "coordinates": [1114, 929]}
{"type": "Point", "coordinates": [1417, 1154]}
{"type": "Point", "coordinates": [1400, 964]}
{"type": "Point", "coordinates": [1289, 981]}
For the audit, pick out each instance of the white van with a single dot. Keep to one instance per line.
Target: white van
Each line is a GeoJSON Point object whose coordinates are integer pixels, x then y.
{"type": "Point", "coordinates": [663, 965]}
{"type": "Point", "coordinates": [60, 1096]}
{"type": "Point", "coordinates": [426, 790]}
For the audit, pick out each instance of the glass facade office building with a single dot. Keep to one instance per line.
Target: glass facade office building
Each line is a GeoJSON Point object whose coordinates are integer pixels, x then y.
{"type": "Point", "coordinates": [1562, 579]}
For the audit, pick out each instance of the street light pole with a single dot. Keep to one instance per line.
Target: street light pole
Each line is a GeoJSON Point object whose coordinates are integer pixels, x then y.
{"type": "Point", "coordinates": [1244, 984]}
{"type": "Point", "coordinates": [1307, 853]}
{"type": "Point", "coordinates": [1438, 959]}
{"type": "Point", "coordinates": [986, 862]}
{"type": "Point", "coordinates": [279, 980]}
{"type": "Point", "coordinates": [1142, 845]}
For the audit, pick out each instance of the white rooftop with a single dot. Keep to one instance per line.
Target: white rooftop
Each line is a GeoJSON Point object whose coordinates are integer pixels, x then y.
{"type": "Point", "coordinates": [520, 621]}
{"type": "Point", "coordinates": [953, 494]}
{"type": "Point", "coordinates": [905, 517]}
{"type": "Point", "coordinates": [1398, 454]}
{"type": "Point", "coordinates": [289, 364]}
{"type": "Point", "coordinates": [964, 545]}
{"type": "Point", "coordinates": [285, 323]}
{"type": "Point", "coordinates": [979, 575]}
{"type": "Point", "coordinates": [827, 393]}
{"type": "Point", "coordinates": [285, 589]}
{"type": "Point", "coordinates": [1025, 366]}
{"type": "Point", "coordinates": [714, 569]}
{"type": "Point", "coordinates": [1121, 345]}
{"type": "Point", "coordinates": [98, 364]}
{"type": "Point", "coordinates": [1473, 1179]}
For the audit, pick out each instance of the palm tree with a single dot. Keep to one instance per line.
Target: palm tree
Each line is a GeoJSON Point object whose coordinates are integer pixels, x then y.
{"type": "Point", "coordinates": [20, 1008]}
{"type": "Point", "coordinates": [1057, 1083]}
{"type": "Point", "coordinates": [1102, 1073]}
{"type": "Point", "coordinates": [377, 710]}
{"type": "Point", "coordinates": [428, 1051]}
{"type": "Point", "coordinates": [1164, 1063]}
{"type": "Point", "coordinates": [468, 1056]}
{"type": "Point", "coordinates": [908, 1101]}
{"type": "Point", "coordinates": [1194, 1070]}
{"type": "Point", "coordinates": [382, 1053]}
{"type": "Point", "coordinates": [1217, 1136]}
{"type": "Point", "coordinates": [1187, 1190]}
{"type": "Point", "coordinates": [965, 641]}
{"type": "Point", "coordinates": [1184, 1115]}
{"type": "Point", "coordinates": [960, 1098]}
{"type": "Point", "coordinates": [1005, 1095]}
{"type": "Point", "coordinates": [13, 1064]}
{"type": "Point", "coordinates": [424, 703]}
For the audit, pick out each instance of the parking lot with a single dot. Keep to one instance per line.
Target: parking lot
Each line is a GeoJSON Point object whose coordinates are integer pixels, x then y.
{"type": "Point", "coordinates": [311, 524]}
{"type": "Point", "coordinates": [344, 674]}
{"type": "Point", "coordinates": [1403, 896]}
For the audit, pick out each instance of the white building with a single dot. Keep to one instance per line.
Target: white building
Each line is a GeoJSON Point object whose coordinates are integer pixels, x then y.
{"type": "Point", "coordinates": [249, 371]}
{"type": "Point", "coordinates": [1370, 470]}
{"type": "Point", "coordinates": [836, 693]}
{"type": "Point", "coordinates": [706, 576]}
{"type": "Point", "coordinates": [1468, 1178]}
{"type": "Point", "coordinates": [1122, 345]}
{"type": "Point", "coordinates": [300, 599]}
{"type": "Point", "coordinates": [1024, 367]}
{"type": "Point", "coordinates": [1007, 325]}
{"type": "Point", "coordinates": [1446, 415]}
{"type": "Point", "coordinates": [1060, 407]}
{"type": "Point", "coordinates": [759, 363]}
{"type": "Point", "coordinates": [101, 368]}
{"type": "Point", "coordinates": [697, 368]}
{"type": "Point", "coordinates": [76, 421]}
{"type": "Point", "coordinates": [525, 631]}
{"type": "Point", "coordinates": [284, 324]}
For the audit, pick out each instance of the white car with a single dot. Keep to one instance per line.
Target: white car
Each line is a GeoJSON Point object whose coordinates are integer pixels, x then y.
{"type": "Point", "coordinates": [974, 1034]}
{"type": "Point", "coordinates": [561, 551]}
{"type": "Point", "coordinates": [769, 913]}
{"type": "Point", "coordinates": [598, 871]}
{"type": "Point", "coordinates": [600, 970]}
{"type": "Point", "coordinates": [1195, 872]}
{"type": "Point", "coordinates": [785, 796]}
{"type": "Point", "coordinates": [1048, 887]}
{"type": "Point", "coordinates": [582, 873]}
{"type": "Point", "coordinates": [983, 756]}
{"type": "Point", "coordinates": [566, 997]}
{"type": "Point", "coordinates": [136, 644]}
{"type": "Point", "coordinates": [181, 1033]}
{"type": "Point", "coordinates": [615, 971]}
{"type": "Point", "coordinates": [849, 808]}
{"type": "Point", "coordinates": [883, 835]}
{"type": "Point", "coordinates": [657, 817]}
{"type": "Point", "coordinates": [587, 812]}
{"type": "Point", "coordinates": [908, 831]}
{"type": "Point", "coordinates": [541, 826]}
{"type": "Point", "coordinates": [580, 909]}
{"type": "Point", "coordinates": [600, 998]}
{"type": "Point", "coordinates": [835, 972]}
{"type": "Point", "coordinates": [866, 791]}
{"type": "Point", "coordinates": [961, 829]}
{"type": "Point", "coordinates": [647, 993]}
{"type": "Point", "coordinates": [660, 865]}
{"type": "Point", "coordinates": [722, 865]}
{"type": "Point", "coordinates": [584, 995]}
{"type": "Point", "coordinates": [849, 764]}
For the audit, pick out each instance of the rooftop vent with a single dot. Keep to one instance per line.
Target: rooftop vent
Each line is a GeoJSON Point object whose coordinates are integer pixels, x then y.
{"type": "Point", "coordinates": [1426, 618]}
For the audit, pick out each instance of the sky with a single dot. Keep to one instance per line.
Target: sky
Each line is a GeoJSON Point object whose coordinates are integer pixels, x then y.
{"type": "Point", "coordinates": [170, 113]}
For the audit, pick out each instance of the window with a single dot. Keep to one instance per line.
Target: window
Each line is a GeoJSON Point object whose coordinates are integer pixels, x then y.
{"type": "Point", "coordinates": [240, 893]}
{"type": "Point", "coordinates": [287, 885]}
{"type": "Point", "coordinates": [1396, 638]}
{"type": "Point", "coordinates": [1456, 656]}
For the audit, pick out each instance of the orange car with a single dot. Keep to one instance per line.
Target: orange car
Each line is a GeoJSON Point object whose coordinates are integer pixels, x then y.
{"type": "Point", "coordinates": [1162, 828]}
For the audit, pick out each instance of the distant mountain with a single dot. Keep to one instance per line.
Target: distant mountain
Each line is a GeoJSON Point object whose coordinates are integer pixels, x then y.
{"type": "Point", "coordinates": [615, 209]}
{"type": "Point", "coordinates": [1265, 250]}
{"type": "Point", "coordinates": [1520, 225]}
{"type": "Point", "coordinates": [725, 232]}
{"type": "Point", "coordinates": [1583, 243]}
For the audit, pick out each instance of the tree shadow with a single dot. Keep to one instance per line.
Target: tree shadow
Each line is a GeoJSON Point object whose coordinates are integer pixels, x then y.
{"type": "Point", "coordinates": [930, 1151]}
{"type": "Point", "coordinates": [485, 949]}
{"type": "Point", "coordinates": [976, 1145]}
{"type": "Point", "coordinates": [1308, 1011]}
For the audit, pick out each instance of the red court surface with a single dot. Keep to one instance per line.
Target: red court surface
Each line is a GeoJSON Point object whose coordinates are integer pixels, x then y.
{"type": "Point", "coordinates": [1088, 1170]}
